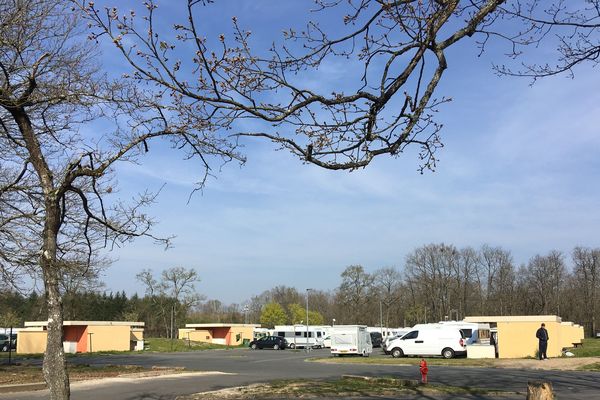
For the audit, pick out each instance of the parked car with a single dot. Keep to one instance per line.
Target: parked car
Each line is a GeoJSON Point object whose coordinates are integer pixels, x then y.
{"type": "Point", "coordinates": [432, 340]}
{"type": "Point", "coordinates": [5, 342]}
{"type": "Point", "coordinates": [269, 342]}
{"type": "Point", "coordinates": [376, 339]}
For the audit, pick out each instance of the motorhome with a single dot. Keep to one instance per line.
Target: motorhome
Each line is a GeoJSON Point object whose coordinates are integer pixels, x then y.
{"type": "Point", "coordinates": [296, 335]}
{"type": "Point", "coordinates": [429, 340]}
{"type": "Point", "coordinates": [350, 339]}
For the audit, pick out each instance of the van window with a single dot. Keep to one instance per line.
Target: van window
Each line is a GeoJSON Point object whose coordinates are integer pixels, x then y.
{"type": "Point", "coordinates": [466, 333]}
{"type": "Point", "coordinates": [411, 335]}
{"type": "Point", "coordinates": [318, 334]}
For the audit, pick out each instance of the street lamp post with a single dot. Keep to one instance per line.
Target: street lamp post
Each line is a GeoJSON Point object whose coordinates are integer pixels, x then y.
{"type": "Point", "coordinates": [246, 314]}
{"type": "Point", "coordinates": [380, 317]}
{"type": "Point", "coordinates": [307, 292]}
{"type": "Point", "coordinates": [333, 322]}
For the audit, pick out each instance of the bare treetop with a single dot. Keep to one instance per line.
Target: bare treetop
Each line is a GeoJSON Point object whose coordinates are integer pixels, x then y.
{"type": "Point", "coordinates": [570, 27]}
{"type": "Point", "coordinates": [400, 44]}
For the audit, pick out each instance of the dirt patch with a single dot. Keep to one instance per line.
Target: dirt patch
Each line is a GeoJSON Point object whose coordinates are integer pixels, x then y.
{"type": "Point", "coordinates": [22, 374]}
{"type": "Point", "coordinates": [322, 389]}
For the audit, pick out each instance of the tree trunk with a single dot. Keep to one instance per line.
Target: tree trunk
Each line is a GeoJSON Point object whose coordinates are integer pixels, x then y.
{"type": "Point", "coordinates": [54, 368]}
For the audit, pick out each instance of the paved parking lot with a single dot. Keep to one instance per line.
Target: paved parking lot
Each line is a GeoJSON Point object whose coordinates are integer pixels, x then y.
{"type": "Point", "coordinates": [243, 366]}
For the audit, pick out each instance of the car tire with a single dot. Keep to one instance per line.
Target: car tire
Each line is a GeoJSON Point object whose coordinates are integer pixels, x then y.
{"type": "Point", "coordinates": [253, 347]}
{"type": "Point", "coordinates": [397, 352]}
{"type": "Point", "coordinates": [5, 348]}
{"type": "Point", "coordinates": [448, 353]}
{"type": "Point", "coordinates": [292, 346]}
{"type": "Point", "coordinates": [275, 346]}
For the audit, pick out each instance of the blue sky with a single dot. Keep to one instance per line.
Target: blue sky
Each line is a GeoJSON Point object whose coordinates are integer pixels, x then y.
{"type": "Point", "coordinates": [519, 170]}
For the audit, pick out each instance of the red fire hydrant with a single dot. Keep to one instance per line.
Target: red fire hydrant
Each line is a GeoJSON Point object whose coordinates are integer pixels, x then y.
{"type": "Point", "coordinates": [423, 368]}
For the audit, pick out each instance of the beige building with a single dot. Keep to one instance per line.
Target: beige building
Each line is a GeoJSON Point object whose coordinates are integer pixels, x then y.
{"type": "Point", "coordinates": [225, 334]}
{"type": "Point", "coordinates": [516, 334]}
{"type": "Point", "coordinates": [84, 336]}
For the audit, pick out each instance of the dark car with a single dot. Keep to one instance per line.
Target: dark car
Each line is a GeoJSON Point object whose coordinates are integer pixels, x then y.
{"type": "Point", "coordinates": [5, 342]}
{"type": "Point", "coordinates": [269, 342]}
{"type": "Point", "coordinates": [376, 339]}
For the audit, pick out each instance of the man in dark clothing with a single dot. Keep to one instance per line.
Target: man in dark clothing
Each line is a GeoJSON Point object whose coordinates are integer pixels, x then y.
{"type": "Point", "coordinates": [542, 335]}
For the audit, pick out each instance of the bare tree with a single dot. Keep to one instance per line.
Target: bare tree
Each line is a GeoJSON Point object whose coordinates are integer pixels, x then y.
{"type": "Point", "coordinates": [571, 27]}
{"type": "Point", "coordinates": [544, 279]}
{"type": "Point", "coordinates": [431, 270]}
{"type": "Point", "coordinates": [175, 293]}
{"type": "Point", "coordinates": [353, 294]}
{"type": "Point", "coordinates": [55, 216]}
{"type": "Point", "coordinates": [586, 268]}
{"type": "Point", "coordinates": [401, 45]}
{"type": "Point", "coordinates": [493, 268]}
{"type": "Point", "coordinates": [465, 286]}
{"type": "Point", "coordinates": [388, 282]}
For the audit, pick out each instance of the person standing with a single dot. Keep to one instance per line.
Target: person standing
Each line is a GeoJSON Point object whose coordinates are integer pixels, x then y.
{"type": "Point", "coordinates": [542, 335]}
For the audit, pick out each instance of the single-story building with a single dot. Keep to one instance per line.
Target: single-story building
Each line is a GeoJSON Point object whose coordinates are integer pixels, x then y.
{"type": "Point", "coordinates": [84, 336]}
{"type": "Point", "coordinates": [515, 337]}
{"type": "Point", "coordinates": [225, 334]}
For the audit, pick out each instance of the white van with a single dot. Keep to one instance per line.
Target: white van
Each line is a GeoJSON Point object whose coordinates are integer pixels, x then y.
{"type": "Point", "coordinates": [350, 339]}
{"type": "Point", "coordinates": [429, 340]}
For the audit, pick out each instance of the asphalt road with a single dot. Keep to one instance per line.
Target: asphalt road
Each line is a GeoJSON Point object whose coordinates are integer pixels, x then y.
{"type": "Point", "coordinates": [242, 366]}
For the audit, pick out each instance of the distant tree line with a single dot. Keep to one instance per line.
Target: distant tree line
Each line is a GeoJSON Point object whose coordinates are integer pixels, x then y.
{"type": "Point", "coordinates": [440, 281]}
{"type": "Point", "coordinates": [436, 282]}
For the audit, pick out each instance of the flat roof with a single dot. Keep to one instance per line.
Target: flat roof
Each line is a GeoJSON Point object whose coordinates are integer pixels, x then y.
{"type": "Point", "coordinates": [89, 323]}
{"type": "Point", "coordinates": [220, 325]}
{"type": "Point", "coordinates": [514, 318]}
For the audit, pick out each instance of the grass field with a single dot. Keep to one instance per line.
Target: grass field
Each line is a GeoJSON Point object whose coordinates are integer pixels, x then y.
{"type": "Point", "coordinates": [590, 348]}
{"type": "Point", "coordinates": [166, 345]}
{"type": "Point", "coordinates": [389, 360]}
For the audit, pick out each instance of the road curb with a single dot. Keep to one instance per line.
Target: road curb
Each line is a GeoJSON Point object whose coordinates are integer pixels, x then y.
{"type": "Point", "coordinates": [23, 387]}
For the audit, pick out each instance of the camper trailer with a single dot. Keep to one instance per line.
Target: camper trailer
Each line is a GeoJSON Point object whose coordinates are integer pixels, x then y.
{"type": "Point", "coordinates": [296, 335]}
{"type": "Point", "coordinates": [350, 339]}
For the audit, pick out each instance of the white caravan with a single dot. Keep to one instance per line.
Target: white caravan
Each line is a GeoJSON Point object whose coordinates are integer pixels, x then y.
{"type": "Point", "coordinates": [429, 340]}
{"type": "Point", "coordinates": [260, 332]}
{"type": "Point", "coordinates": [296, 335]}
{"type": "Point", "coordinates": [472, 332]}
{"type": "Point", "coordinates": [350, 339]}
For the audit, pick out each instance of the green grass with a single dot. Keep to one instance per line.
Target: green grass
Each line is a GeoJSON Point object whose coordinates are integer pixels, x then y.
{"type": "Point", "coordinates": [168, 345]}
{"type": "Point", "coordinates": [590, 348]}
{"type": "Point", "coordinates": [457, 362]}
{"type": "Point", "coordinates": [590, 367]}
{"type": "Point", "coordinates": [152, 344]}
